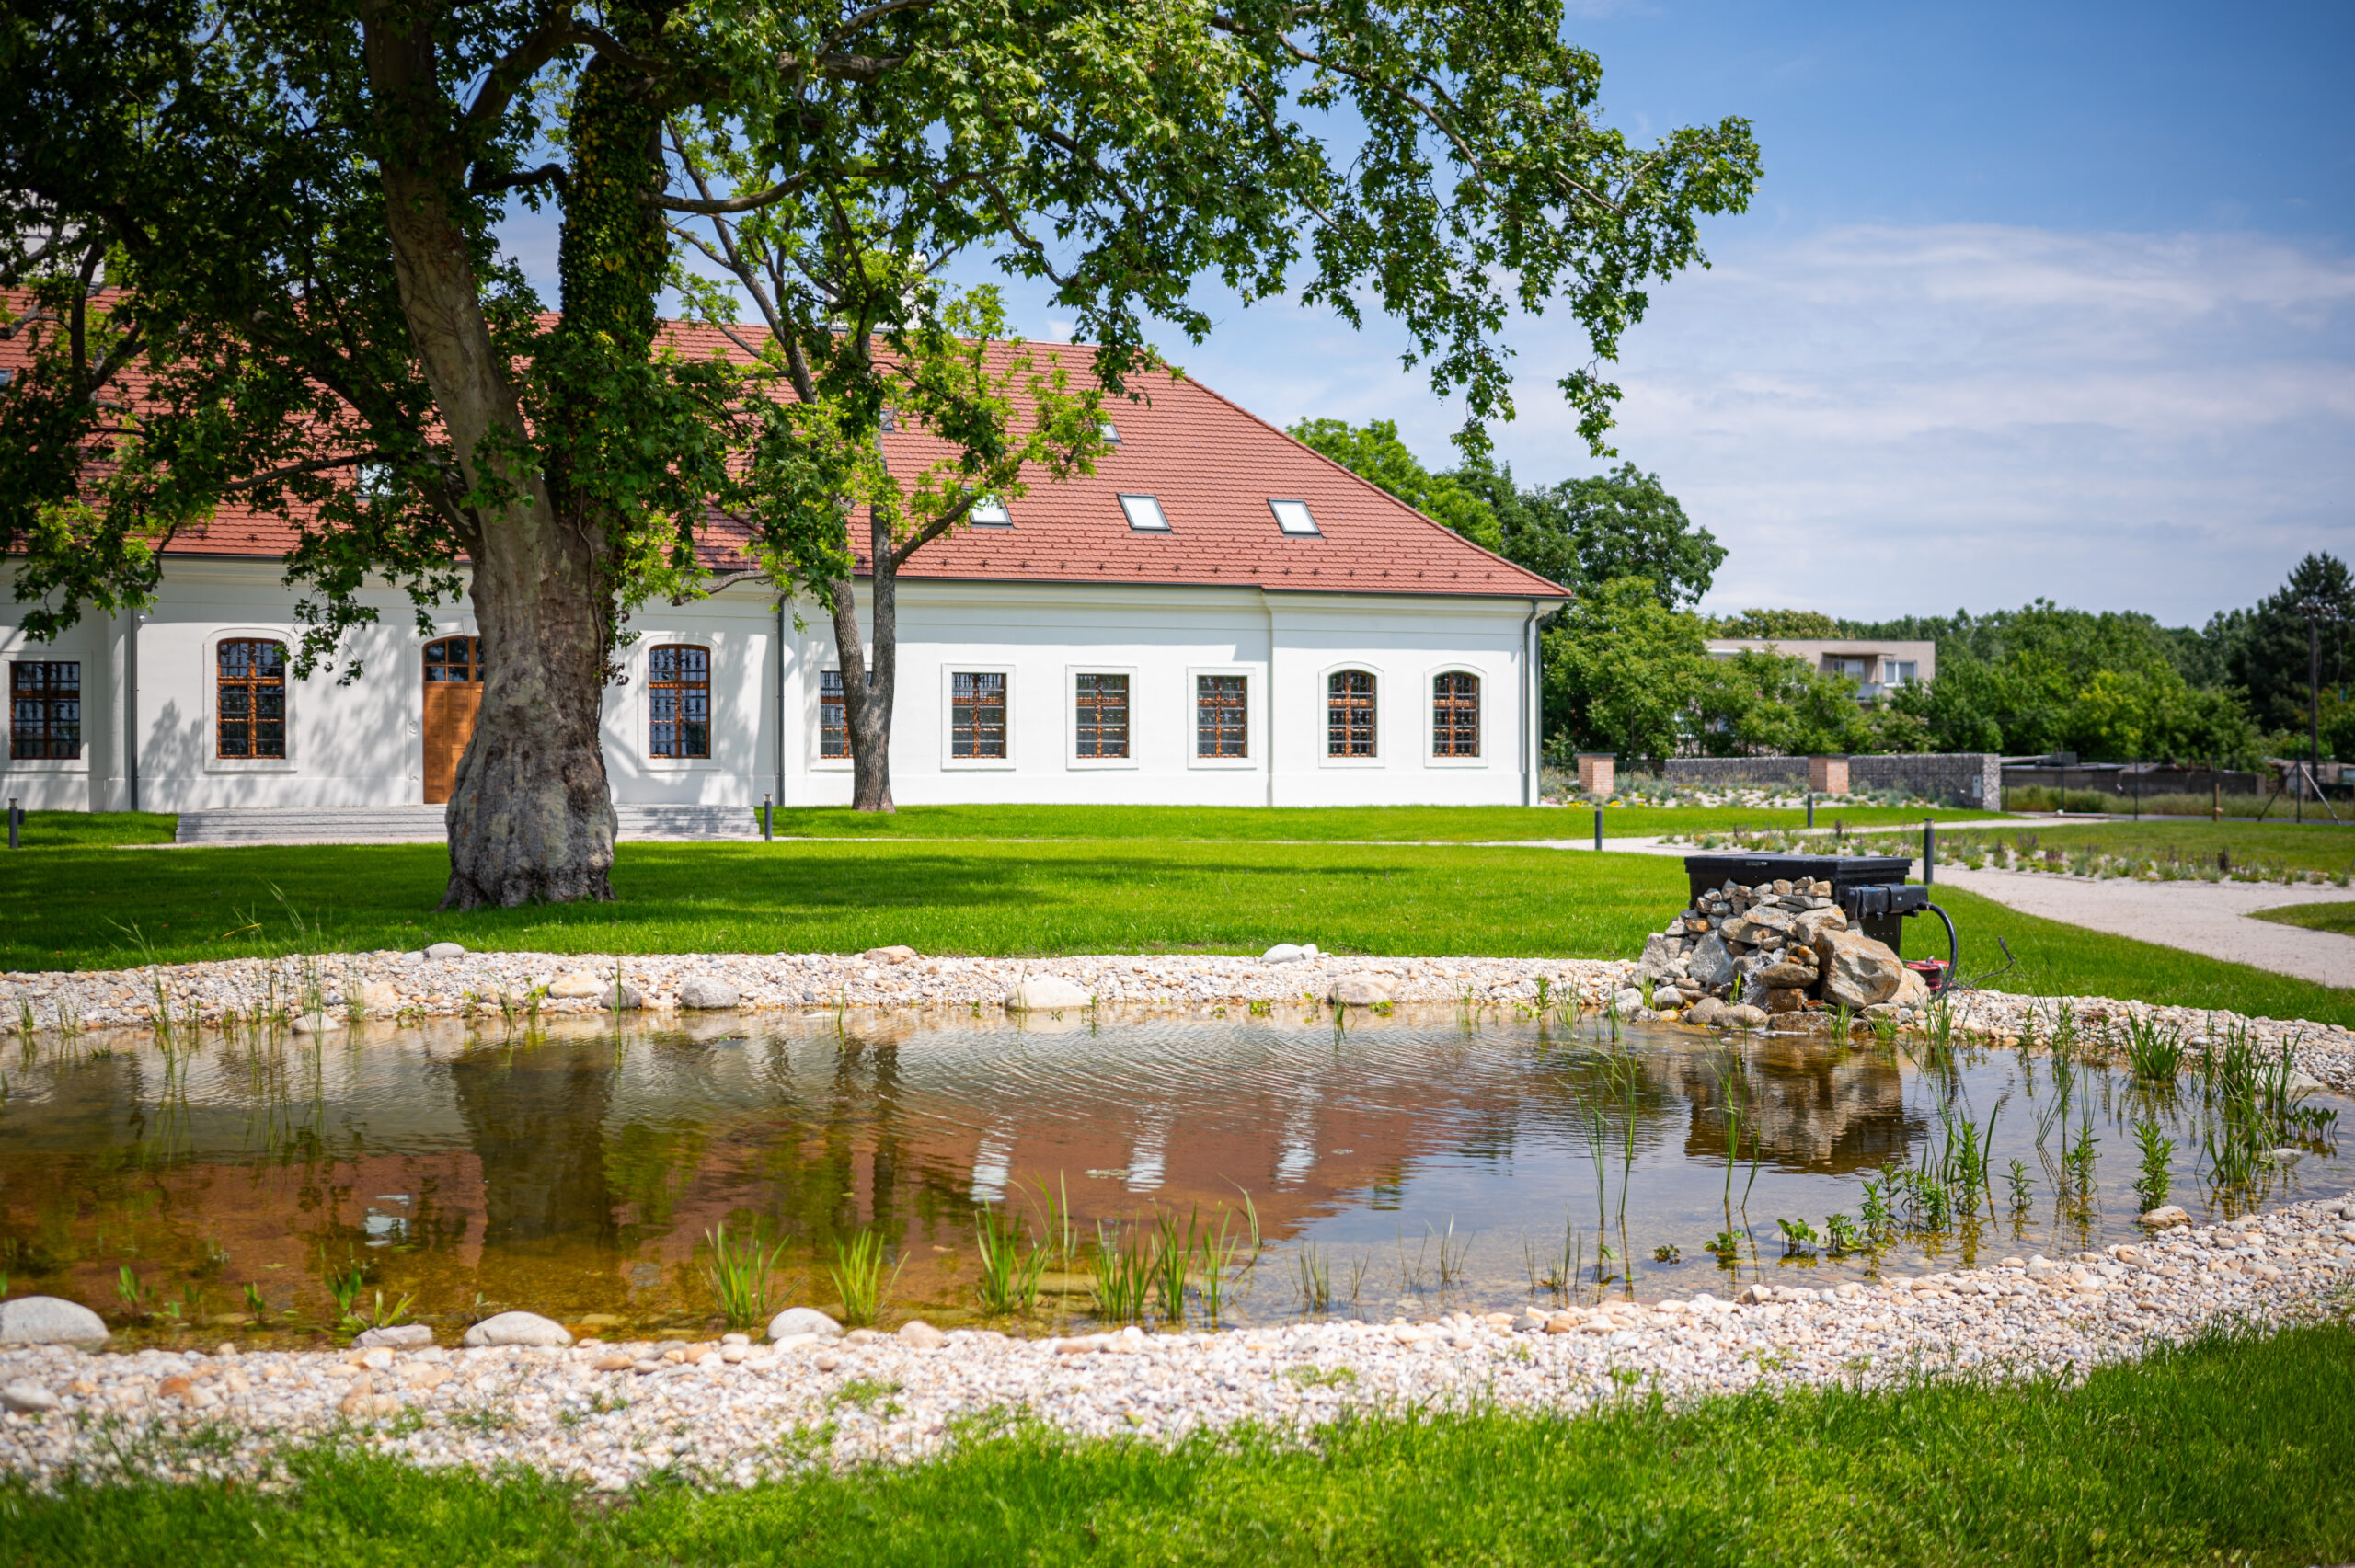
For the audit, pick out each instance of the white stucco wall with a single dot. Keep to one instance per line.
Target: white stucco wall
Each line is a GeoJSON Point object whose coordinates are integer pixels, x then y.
{"type": "Point", "coordinates": [360, 743]}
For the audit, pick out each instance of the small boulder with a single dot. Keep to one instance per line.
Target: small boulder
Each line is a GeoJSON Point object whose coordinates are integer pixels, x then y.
{"type": "Point", "coordinates": [49, 1320]}
{"type": "Point", "coordinates": [1045, 994]}
{"type": "Point", "coordinates": [803, 1319]}
{"type": "Point", "coordinates": [445, 950]}
{"type": "Point", "coordinates": [380, 997]}
{"type": "Point", "coordinates": [1784, 999]}
{"type": "Point", "coordinates": [1362, 988]}
{"type": "Point", "coordinates": [898, 953]}
{"type": "Point", "coordinates": [317, 1023]}
{"type": "Point", "coordinates": [1707, 1010]}
{"type": "Point", "coordinates": [1659, 953]}
{"type": "Point", "coordinates": [704, 994]}
{"type": "Point", "coordinates": [623, 998]}
{"type": "Point", "coordinates": [1627, 1001]}
{"type": "Point", "coordinates": [396, 1334]}
{"type": "Point", "coordinates": [578, 986]}
{"type": "Point", "coordinates": [1857, 970]}
{"type": "Point", "coordinates": [921, 1336]}
{"type": "Point", "coordinates": [1284, 953]}
{"type": "Point", "coordinates": [2164, 1216]}
{"type": "Point", "coordinates": [1911, 991]}
{"type": "Point", "coordinates": [1789, 973]}
{"type": "Point", "coordinates": [517, 1328]}
{"type": "Point", "coordinates": [27, 1397]}
{"type": "Point", "coordinates": [1742, 1015]}
{"type": "Point", "coordinates": [1710, 963]}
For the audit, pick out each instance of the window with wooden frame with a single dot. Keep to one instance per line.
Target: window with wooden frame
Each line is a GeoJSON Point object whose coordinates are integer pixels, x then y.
{"type": "Point", "coordinates": [1221, 716]}
{"type": "Point", "coordinates": [678, 702]}
{"type": "Point", "coordinates": [1455, 714]}
{"type": "Point", "coordinates": [834, 715]}
{"type": "Point", "coordinates": [1349, 713]}
{"type": "Point", "coordinates": [250, 698]}
{"type": "Point", "coordinates": [44, 710]}
{"type": "Point", "coordinates": [977, 714]}
{"type": "Point", "coordinates": [454, 661]}
{"type": "Point", "coordinates": [1100, 715]}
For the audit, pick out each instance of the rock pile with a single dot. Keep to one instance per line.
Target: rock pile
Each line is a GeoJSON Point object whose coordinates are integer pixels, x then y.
{"type": "Point", "coordinates": [1781, 947]}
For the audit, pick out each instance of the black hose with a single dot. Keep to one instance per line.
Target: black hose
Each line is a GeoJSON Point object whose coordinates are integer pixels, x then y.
{"type": "Point", "coordinates": [1953, 949]}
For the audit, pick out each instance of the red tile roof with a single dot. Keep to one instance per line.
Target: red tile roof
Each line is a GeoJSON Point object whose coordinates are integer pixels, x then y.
{"type": "Point", "coordinates": [1213, 466]}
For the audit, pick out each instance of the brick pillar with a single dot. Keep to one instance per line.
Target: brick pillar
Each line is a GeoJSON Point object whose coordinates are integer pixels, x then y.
{"type": "Point", "coordinates": [1596, 772]}
{"type": "Point", "coordinates": [1828, 776]}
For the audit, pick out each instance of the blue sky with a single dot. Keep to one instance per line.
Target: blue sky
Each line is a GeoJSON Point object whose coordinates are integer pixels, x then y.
{"type": "Point", "coordinates": [2035, 299]}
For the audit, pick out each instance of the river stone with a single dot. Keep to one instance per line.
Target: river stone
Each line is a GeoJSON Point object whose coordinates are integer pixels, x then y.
{"type": "Point", "coordinates": [1711, 964]}
{"type": "Point", "coordinates": [1707, 1010]}
{"type": "Point", "coordinates": [1784, 999]}
{"type": "Point", "coordinates": [517, 1328]}
{"type": "Point", "coordinates": [1282, 953]}
{"type": "Point", "coordinates": [898, 953]}
{"type": "Point", "coordinates": [1788, 972]}
{"type": "Point", "coordinates": [379, 996]}
{"type": "Point", "coordinates": [704, 994]}
{"type": "Point", "coordinates": [1627, 1001]}
{"type": "Point", "coordinates": [1742, 1015]}
{"type": "Point", "coordinates": [49, 1320]}
{"type": "Point", "coordinates": [2164, 1216]}
{"type": "Point", "coordinates": [623, 998]}
{"type": "Point", "coordinates": [917, 1335]}
{"type": "Point", "coordinates": [396, 1334]}
{"type": "Point", "coordinates": [317, 1023]}
{"type": "Point", "coordinates": [1768, 917]}
{"type": "Point", "coordinates": [577, 986]}
{"type": "Point", "coordinates": [1857, 970]}
{"type": "Point", "coordinates": [1363, 989]}
{"type": "Point", "coordinates": [1044, 994]}
{"type": "Point", "coordinates": [27, 1397]}
{"type": "Point", "coordinates": [445, 950]}
{"type": "Point", "coordinates": [1658, 955]}
{"type": "Point", "coordinates": [803, 1319]}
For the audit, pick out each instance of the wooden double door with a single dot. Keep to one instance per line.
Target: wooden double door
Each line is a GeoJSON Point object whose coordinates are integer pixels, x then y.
{"type": "Point", "coordinates": [453, 699]}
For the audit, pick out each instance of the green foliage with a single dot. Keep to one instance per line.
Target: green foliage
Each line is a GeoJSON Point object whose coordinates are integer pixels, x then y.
{"type": "Point", "coordinates": [1377, 453]}
{"type": "Point", "coordinates": [1792, 624]}
{"type": "Point", "coordinates": [1623, 672]}
{"type": "Point", "coordinates": [1756, 703]}
{"type": "Point", "coordinates": [2267, 650]}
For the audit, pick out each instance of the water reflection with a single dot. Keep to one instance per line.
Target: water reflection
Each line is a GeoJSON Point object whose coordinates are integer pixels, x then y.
{"type": "Point", "coordinates": [579, 1173]}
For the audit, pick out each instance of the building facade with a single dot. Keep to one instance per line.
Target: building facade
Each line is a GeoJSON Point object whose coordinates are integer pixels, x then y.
{"type": "Point", "coordinates": [1218, 616]}
{"type": "Point", "coordinates": [1876, 668]}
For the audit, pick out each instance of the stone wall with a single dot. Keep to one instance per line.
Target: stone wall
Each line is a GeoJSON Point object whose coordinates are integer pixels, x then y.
{"type": "Point", "coordinates": [1964, 778]}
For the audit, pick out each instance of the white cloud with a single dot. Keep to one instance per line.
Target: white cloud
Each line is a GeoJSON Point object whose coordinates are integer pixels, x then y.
{"type": "Point", "coordinates": [1877, 421]}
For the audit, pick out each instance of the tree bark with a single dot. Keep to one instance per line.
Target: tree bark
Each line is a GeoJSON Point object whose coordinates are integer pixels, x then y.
{"type": "Point", "coordinates": [866, 695]}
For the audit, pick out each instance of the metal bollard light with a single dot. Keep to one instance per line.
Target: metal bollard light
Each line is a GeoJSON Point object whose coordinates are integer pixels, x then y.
{"type": "Point", "coordinates": [16, 820]}
{"type": "Point", "coordinates": [768, 821]}
{"type": "Point", "coordinates": [1811, 808]}
{"type": "Point", "coordinates": [1598, 829]}
{"type": "Point", "coordinates": [1929, 850]}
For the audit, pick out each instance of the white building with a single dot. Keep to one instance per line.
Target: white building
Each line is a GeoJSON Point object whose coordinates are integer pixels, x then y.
{"type": "Point", "coordinates": [1219, 616]}
{"type": "Point", "coordinates": [1876, 668]}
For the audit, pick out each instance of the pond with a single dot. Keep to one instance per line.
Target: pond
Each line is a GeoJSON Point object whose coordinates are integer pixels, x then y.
{"type": "Point", "coordinates": [274, 1184]}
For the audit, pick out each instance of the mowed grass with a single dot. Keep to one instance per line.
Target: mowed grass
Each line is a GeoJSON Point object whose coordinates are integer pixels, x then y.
{"type": "Point", "coordinates": [2338, 915]}
{"type": "Point", "coordinates": [2056, 959]}
{"type": "Point", "coordinates": [82, 830]}
{"type": "Point", "coordinates": [104, 908]}
{"type": "Point", "coordinates": [1383, 824]}
{"type": "Point", "coordinates": [2234, 1450]}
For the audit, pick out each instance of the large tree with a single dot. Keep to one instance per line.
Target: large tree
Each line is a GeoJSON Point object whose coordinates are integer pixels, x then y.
{"type": "Point", "coordinates": [301, 204]}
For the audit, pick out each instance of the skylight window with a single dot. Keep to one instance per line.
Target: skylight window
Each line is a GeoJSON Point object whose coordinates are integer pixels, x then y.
{"type": "Point", "coordinates": [1145, 514]}
{"type": "Point", "coordinates": [990, 512]}
{"type": "Point", "coordinates": [1293, 517]}
{"type": "Point", "coordinates": [1111, 433]}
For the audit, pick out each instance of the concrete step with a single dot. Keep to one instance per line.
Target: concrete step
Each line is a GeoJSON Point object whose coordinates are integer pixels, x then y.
{"type": "Point", "coordinates": [426, 824]}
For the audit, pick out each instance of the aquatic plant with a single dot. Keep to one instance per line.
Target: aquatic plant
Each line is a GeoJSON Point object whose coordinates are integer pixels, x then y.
{"type": "Point", "coordinates": [1122, 1274]}
{"type": "Point", "coordinates": [2154, 1051]}
{"type": "Point", "coordinates": [738, 1270]}
{"type": "Point", "coordinates": [1010, 1272]}
{"type": "Point", "coordinates": [857, 1273]}
{"type": "Point", "coordinates": [1842, 1235]}
{"type": "Point", "coordinates": [1451, 1254]}
{"type": "Point", "coordinates": [1799, 1237]}
{"type": "Point", "coordinates": [2023, 1188]}
{"type": "Point", "coordinates": [2158, 1155]}
{"type": "Point", "coordinates": [132, 1291]}
{"type": "Point", "coordinates": [1313, 1271]}
{"type": "Point", "coordinates": [1667, 1252]}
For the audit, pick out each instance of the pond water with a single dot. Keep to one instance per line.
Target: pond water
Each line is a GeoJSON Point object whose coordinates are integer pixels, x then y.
{"type": "Point", "coordinates": [1395, 1167]}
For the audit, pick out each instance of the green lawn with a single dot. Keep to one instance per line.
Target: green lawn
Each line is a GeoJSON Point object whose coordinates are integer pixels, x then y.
{"type": "Point", "coordinates": [2338, 915]}
{"type": "Point", "coordinates": [1228, 824]}
{"type": "Point", "coordinates": [76, 829]}
{"type": "Point", "coordinates": [2232, 1451]}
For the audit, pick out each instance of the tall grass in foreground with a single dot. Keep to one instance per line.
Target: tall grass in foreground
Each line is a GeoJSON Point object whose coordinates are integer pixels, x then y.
{"type": "Point", "coordinates": [2235, 1450]}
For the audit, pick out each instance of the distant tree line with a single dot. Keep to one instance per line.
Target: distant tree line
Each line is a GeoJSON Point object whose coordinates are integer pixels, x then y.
{"type": "Point", "coordinates": [1627, 668]}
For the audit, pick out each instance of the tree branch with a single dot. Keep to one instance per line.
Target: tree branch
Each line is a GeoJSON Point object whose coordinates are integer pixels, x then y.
{"type": "Point", "coordinates": [547, 174]}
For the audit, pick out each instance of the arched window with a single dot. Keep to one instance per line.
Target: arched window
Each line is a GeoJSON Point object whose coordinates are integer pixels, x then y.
{"type": "Point", "coordinates": [678, 698]}
{"type": "Point", "coordinates": [250, 698]}
{"type": "Point", "coordinates": [1455, 714]}
{"type": "Point", "coordinates": [1349, 713]}
{"type": "Point", "coordinates": [454, 661]}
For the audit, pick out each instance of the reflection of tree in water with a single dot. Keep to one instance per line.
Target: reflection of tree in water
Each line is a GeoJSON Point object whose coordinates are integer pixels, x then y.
{"type": "Point", "coordinates": [1813, 1108]}
{"type": "Point", "coordinates": [535, 1117]}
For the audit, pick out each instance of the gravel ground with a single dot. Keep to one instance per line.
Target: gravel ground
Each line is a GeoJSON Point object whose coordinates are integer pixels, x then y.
{"type": "Point", "coordinates": [730, 1412]}
{"type": "Point", "coordinates": [2199, 917]}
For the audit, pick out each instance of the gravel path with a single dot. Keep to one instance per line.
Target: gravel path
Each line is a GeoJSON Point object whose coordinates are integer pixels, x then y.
{"type": "Point", "coordinates": [2199, 917]}
{"type": "Point", "coordinates": [730, 1412]}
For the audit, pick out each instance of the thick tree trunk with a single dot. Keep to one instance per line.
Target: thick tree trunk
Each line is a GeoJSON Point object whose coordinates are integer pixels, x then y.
{"type": "Point", "coordinates": [867, 694]}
